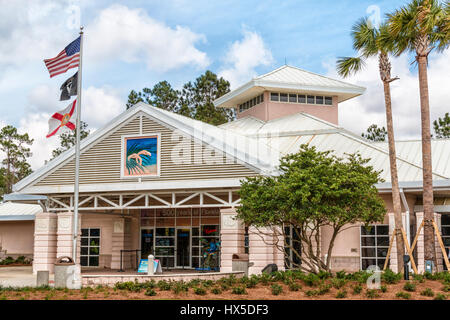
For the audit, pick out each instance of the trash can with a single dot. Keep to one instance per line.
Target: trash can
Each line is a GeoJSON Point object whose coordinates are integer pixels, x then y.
{"type": "Point", "coordinates": [240, 262]}
{"type": "Point", "coordinates": [67, 273]}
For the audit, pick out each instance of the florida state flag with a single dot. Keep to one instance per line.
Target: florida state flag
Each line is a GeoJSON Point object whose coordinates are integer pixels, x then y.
{"type": "Point", "coordinates": [61, 119]}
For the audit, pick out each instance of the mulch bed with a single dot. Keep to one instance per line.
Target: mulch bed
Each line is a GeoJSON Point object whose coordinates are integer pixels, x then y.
{"type": "Point", "coordinates": [260, 292]}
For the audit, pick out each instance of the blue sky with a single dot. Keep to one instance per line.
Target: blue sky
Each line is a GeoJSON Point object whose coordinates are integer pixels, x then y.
{"type": "Point", "coordinates": [135, 44]}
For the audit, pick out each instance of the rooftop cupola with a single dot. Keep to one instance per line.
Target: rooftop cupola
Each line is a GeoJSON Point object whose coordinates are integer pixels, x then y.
{"type": "Point", "coordinates": [289, 90]}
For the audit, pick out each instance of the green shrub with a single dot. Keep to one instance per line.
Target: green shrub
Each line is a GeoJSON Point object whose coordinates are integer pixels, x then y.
{"type": "Point", "coordinates": [179, 287]}
{"type": "Point", "coordinates": [403, 295]}
{"type": "Point", "coordinates": [428, 276]}
{"type": "Point", "coordinates": [150, 292]}
{"type": "Point", "coordinates": [265, 279]}
{"type": "Point", "coordinates": [341, 274]}
{"type": "Point", "coordinates": [163, 285]}
{"type": "Point", "coordinates": [311, 280]}
{"type": "Point", "coordinates": [276, 289]}
{"type": "Point", "coordinates": [383, 288]}
{"type": "Point", "coordinates": [357, 288]}
{"type": "Point", "coordinates": [224, 286]}
{"type": "Point", "coordinates": [149, 284]}
{"type": "Point", "coordinates": [311, 293]}
{"type": "Point", "coordinates": [294, 286]}
{"type": "Point", "coordinates": [427, 293]}
{"type": "Point", "coordinates": [199, 291]}
{"type": "Point", "coordinates": [341, 294]}
{"type": "Point", "coordinates": [216, 290]}
{"type": "Point", "coordinates": [419, 278]}
{"type": "Point", "coordinates": [409, 286]}
{"type": "Point", "coordinates": [251, 282]}
{"type": "Point", "coordinates": [372, 293]}
{"type": "Point", "coordinates": [440, 296]}
{"type": "Point", "coordinates": [446, 288]}
{"type": "Point", "coordinates": [338, 283]}
{"type": "Point", "coordinates": [324, 275]}
{"type": "Point", "coordinates": [195, 283]}
{"type": "Point", "coordinates": [7, 261]}
{"type": "Point", "coordinates": [390, 276]}
{"type": "Point", "coordinates": [238, 290]}
{"type": "Point", "coordinates": [323, 289]}
{"type": "Point", "coordinates": [208, 283]}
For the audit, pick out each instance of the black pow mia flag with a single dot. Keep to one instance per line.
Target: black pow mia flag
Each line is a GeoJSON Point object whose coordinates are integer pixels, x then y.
{"type": "Point", "coordinates": [69, 87]}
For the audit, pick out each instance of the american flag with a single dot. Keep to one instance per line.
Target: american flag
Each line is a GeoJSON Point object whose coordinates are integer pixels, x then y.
{"type": "Point", "coordinates": [65, 60]}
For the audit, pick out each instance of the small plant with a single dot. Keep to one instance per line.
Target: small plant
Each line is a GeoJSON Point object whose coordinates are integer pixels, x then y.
{"type": "Point", "coordinates": [276, 289]}
{"type": "Point", "coordinates": [179, 287]}
{"type": "Point", "coordinates": [338, 283]}
{"type": "Point", "coordinates": [312, 293]}
{"type": "Point", "coordinates": [311, 280]}
{"type": "Point", "coordinates": [294, 286]}
{"type": "Point", "coordinates": [323, 289]}
{"type": "Point", "coordinates": [372, 293]}
{"type": "Point", "coordinates": [446, 288]}
{"type": "Point", "coordinates": [150, 292]}
{"type": "Point", "coordinates": [341, 274]}
{"type": "Point", "coordinates": [224, 286]}
{"type": "Point", "coordinates": [238, 290]}
{"type": "Point", "coordinates": [383, 288]}
{"type": "Point", "coordinates": [409, 286]}
{"type": "Point", "coordinates": [200, 291]}
{"type": "Point", "coordinates": [357, 289]}
{"type": "Point", "coordinates": [419, 278]}
{"type": "Point", "coordinates": [390, 277]}
{"type": "Point", "coordinates": [324, 275]}
{"type": "Point", "coordinates": [163, 285]}
{"type": "Point", "coordinates": [440, 296]}
{"type": "Point", "coordinates": [427, 293]}
{"type": "Point", "coordinates": [403, 295]}
{"type": "Point", "coordinates": [341, 294]}
{"type": "Point", "coordinates": [208, 283]}
{"type": "Point", "coordinates": [251, 282]}
{"type": "Point", "coordinates": [216, 290]}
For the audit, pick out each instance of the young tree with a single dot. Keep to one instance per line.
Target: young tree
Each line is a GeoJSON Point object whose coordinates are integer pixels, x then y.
{"type": "Point", "coordinates": [16, 150]}
{"type": "Point", "coordinates": [314, 190]}
{"type": "Point", "coordinates": [374, 133]}
{"type": "Point", "coordinates": [68, 139]}
{"type": "Point", "coordinates": [419, 27]}
{"type": "Point", "coordinates": [370, 41]}
{"type": "Point", "coordinates": [442, 127]}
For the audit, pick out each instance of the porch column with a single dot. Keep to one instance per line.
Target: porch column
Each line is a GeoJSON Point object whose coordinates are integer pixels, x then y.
{"type": "Point", "coordinates": [120, 241]}
{"type": "Point", "coordinates": [232, 233]}
{"type": "Point", "coordinates": [421, 247]}
{"type": "Point", "coordinates": [44, 253]}
{"type": "Point", "coordinates": [393, 265]}
{"type": "Point", "coordinates": [65, 235]}
{"type": "Point", "coordinates": [262, 251]}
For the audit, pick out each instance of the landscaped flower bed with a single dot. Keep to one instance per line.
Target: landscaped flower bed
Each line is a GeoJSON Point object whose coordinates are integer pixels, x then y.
{"type": "Point", "coordinates": [292, 285]}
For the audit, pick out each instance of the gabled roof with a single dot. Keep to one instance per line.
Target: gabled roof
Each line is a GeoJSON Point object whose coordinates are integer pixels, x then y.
{"type": "Point", "coordinates": [288, 133]}
{"type": "Point", "coordinates": [231, 144]}
{"type": "Point", "coordinates": [290, 79]}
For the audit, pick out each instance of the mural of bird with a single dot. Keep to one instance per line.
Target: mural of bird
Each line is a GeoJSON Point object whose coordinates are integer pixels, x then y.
{"type": "Point", "coordinates": [137, 156]}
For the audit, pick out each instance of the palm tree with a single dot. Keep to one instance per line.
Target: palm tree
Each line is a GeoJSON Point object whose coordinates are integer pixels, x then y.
{"type": "Point", "coordinates": [420, 27]}
{"type": "Point", "coordinates": [370, 41]}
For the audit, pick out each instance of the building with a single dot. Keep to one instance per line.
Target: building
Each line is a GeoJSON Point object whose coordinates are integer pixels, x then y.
{"type": "Point", "coordinates": [152, 181]}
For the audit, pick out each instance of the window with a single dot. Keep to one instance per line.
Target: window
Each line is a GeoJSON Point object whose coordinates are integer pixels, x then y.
{"type": "Point", "coordinates": [292, 98]}
{"type": "Point", "coordinates": [250, 103]}
{"type": "Point", "coordinates": [273, 96]}
{"type": "Point", "coordinates": [283, 97]}
{"type": "Point", "coordinates": [201, 242]}
{"type": "Point", "coordinates": [374, 245]}
{"type": "Point", "coordinates": [301, 98]}
{"type": "Point", "coordinates": [90, 247]}
{"type": "Point", "coordinates": [319, 100]}
{"type": "Point", "coordinates": [310, 100]}
{"type": "Point", "coordinates": [165, 246]}
{"type": "Point", "coordinates": [445, 231]}
{"type": "Point", "coordinates": [292, 243]}
{"type": "Point", "coordinates": [328, 101]}
{"type": "Point", "coordinates": [246, 241]}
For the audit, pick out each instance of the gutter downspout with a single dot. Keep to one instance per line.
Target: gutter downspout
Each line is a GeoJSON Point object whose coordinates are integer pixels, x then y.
{"type": "Point", "coordinates": [407, 227]}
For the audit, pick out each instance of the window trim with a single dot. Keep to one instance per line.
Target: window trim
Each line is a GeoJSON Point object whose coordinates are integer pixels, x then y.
{"type": "Point", "coordinates": [375, 246]}
{"type": "Point", "coordinates": [88, 255]}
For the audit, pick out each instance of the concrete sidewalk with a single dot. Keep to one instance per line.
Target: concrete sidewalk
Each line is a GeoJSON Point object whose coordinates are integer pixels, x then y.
{"type": "Point", "coordinates": [18, 277]}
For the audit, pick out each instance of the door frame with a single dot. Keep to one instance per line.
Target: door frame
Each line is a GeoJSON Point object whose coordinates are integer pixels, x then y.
{"type": "Point", "coordinates": [140, 239]}
{"type": "Point", "coordinates": [189, 266]}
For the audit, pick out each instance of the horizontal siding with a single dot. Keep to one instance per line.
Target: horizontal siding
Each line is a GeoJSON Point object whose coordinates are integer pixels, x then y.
{"type": "Point", "coordinates": [101, 162]}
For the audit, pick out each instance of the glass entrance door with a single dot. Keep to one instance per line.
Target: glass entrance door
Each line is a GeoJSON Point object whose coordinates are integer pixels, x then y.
{"type": "Point", "coordinates": [147, 236]}
{"type": "Point", "coordinates": [183, 254]}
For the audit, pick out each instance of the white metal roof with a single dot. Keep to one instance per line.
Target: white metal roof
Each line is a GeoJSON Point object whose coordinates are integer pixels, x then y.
{"type": "Point", "coordinates": [288, 133]}
{"type": "Point", "coordinates": [10, 211]}
{"type": "Point", "coordinates": [412, 151]}
{"type": "Point", "coordinates": [290, 79]}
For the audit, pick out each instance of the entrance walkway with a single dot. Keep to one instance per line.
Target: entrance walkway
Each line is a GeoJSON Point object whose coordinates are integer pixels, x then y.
{"type": "Point", "coordinates": [18, 277]}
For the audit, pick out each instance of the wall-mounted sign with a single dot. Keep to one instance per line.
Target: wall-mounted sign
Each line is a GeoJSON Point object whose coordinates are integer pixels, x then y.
{"type": "Point", "coordinates": [141, 156]}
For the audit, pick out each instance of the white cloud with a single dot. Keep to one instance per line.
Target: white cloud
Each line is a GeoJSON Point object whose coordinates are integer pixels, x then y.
{"type": "Point", "coordinates": [359, 113]}
{"type": "Point", "coordinates": [131, 35]}
{"type": "Point", "coordinates": [243, 57]}
{"type": "Point", "coordinates": [100, 105]}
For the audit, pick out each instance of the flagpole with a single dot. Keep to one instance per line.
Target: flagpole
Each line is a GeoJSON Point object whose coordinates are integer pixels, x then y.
{"type": "Point", "coordinates": [77, 154]}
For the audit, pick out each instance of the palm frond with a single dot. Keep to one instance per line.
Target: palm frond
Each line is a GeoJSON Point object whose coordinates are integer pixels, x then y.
{"type": "Point", "coordinates": [349, 65]}
{"type": "Point", "coordinates": [364, 36]}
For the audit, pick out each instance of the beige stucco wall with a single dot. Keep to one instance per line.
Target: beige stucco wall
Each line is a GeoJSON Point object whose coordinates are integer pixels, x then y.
{"type": "Point", "coordinates": [17, 237]}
